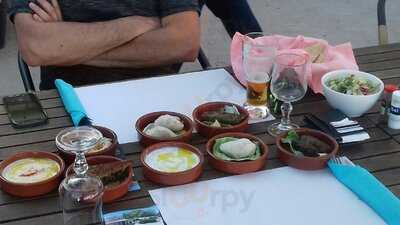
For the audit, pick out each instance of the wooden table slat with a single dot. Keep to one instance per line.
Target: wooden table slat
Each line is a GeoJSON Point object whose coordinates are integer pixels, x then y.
{"type": "Point", "coordinates": [379, 66]}
{"type": "Point", "coordinates": [51, 124]}
{"type": "Point", "coordinates": [376, 49]}
{"type": "Point", "coordinates": [381, 57]}
{"type": "Point", "coordinates": [396, 190]}
{"type": "Point", "coordinates": [29, 138]}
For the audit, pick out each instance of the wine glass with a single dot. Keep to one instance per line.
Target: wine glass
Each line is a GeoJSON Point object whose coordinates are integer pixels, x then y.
{"type": "Point", "coordinates": [80, 193]}
{"type": "Point", "coordinates": [258, 62]}
{"type": "Point", "coordinates": [81, 200]}
{"type": "Point", "coordinates": [288, 84]}
{"type": "Point", "coordinates": [79, 140]}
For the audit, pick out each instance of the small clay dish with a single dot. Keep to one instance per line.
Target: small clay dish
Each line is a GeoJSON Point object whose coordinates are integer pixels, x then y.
{"type": "Point", "coordinates": [237, 167]}
{"type": "Point", "coordinates": [31, 189]}
{"type": "Point", "coordinates": [209, 131]}
{"type": "Point", "coordinates": [69, 157]}
{"type": "Point", "coordinates": [113, 193]}
{"type": "Point", "coordinates": [304, 162]}
{"type": "Point", "coordinates": [147, 140]}
{"type": "Point", "coordinates": [176, 178]}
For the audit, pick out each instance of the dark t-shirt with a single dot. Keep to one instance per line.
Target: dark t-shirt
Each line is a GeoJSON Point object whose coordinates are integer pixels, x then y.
{"type": "Point", "coordinates": [103, 10]}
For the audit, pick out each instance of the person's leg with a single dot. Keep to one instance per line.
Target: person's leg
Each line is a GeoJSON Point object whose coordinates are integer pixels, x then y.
{"type": "Point", "coordinates": [201, 4]}
{"type": "Point", "coordinates": [236, 15]}
{"type": "Point", "coordinates": [244, 18]}
{"type": "Point", "coordinates": [220, 8]}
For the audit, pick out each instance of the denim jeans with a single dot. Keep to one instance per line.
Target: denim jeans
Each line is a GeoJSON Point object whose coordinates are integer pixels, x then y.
{"type": "Point", "coordinates": [236, 15]}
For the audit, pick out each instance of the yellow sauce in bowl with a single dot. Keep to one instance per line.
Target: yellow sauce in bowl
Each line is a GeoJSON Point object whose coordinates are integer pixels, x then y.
{"type": "Point", "coordinates": [172, 160]}
{"type": "Point", "coordinates": [30, 170]}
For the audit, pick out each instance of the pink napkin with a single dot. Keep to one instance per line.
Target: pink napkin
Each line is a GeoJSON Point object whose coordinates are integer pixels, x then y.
{"type": "Point", "coordinates": [336, 57]}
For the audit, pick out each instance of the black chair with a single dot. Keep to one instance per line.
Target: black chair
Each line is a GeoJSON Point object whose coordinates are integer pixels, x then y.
{"type": "Point", "coordinates": [25, 73]}
{"type": "Point", "coordinates": [3, 22]}
{"type": "Point", "coordinates": [203, 60]}
{"type": "Point", "coordinates": [382, 28]}
{"type": "Point", "coordinates": [26, 76]}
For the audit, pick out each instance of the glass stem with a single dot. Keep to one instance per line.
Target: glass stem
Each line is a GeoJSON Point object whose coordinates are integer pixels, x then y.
{"type": "Point", "coordinates": [286, 109]}
{"type": "Point", "coordinates": [80, 164]}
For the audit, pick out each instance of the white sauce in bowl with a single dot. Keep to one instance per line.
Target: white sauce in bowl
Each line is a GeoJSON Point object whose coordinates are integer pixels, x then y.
{"type": "Point", "coordinates": [172, 159]}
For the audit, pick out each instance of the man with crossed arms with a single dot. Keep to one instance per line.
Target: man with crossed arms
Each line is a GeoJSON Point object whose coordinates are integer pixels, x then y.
{"type": "Point", "coordinates": [93, 41]}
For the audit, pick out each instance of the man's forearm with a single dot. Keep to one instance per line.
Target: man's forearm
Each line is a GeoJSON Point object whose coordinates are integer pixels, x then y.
{"type": "Point", "coordinates": [69, 43]}
{"type": "Point", "coordinates": [170, 44]}
{"type": "Point", "coordinates": [151, 49]}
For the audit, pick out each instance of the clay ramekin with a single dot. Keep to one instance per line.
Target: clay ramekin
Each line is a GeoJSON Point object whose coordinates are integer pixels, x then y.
{"type": "Point", "coordinates": [32, 189]}
{"type": "Point", "coordinates": [146, 140]}
{"type": "Point", "coordinates": [70, 157]}
{"type": "Point", "coordinates": [238, 167]}
{"type": "Point", "coordinates": [172, 178]}
{"type": "Point", "coordinates": [208, 131]}
{"type": "Point", "coordinates": [110, 194]}
{"type": "Point", "coordinates": [304, 162]}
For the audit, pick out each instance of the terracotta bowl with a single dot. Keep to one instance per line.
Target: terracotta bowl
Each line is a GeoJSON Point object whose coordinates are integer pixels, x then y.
{"type": "Point", "coordinates": [70, 157]}
{"type": "Point", "coordinates": [208, 131]}
{"type": "Point", "coordinates": [145, 120]}
{"type": "Point", "coordinates": [172, 178]}
{"type": "Point", "coordinates": [110, 194]}
{"type": "Point", "coordinates": [32, 189]}
{"type": "Point", "coordinates": [237, 167]}
{"type": "Point", "coordinates": [306, 163]}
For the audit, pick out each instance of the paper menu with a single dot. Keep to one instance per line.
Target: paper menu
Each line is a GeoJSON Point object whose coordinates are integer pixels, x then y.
{"type": "Point", "coordinates": [283, 196]}
{"type": "Point", "coordinates": [118, 105]}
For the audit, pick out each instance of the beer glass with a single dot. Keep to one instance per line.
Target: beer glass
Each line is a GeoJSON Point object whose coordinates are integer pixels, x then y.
{"type": "Point", "coordinates": [258, 63]}
{"type": "Point", "coordinates": [288, 84]}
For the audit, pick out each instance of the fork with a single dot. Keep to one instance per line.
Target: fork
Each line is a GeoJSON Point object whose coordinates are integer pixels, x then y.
{"type": "Point", "coordinates": [342, 161]}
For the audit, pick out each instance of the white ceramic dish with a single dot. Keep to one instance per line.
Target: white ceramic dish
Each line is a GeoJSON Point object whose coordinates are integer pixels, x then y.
{"type": "Point", "coordinates": [351, 105]}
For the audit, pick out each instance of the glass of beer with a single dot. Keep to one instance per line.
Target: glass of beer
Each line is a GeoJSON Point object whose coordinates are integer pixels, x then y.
{"type": "Point", "coordinates": [258, 64]}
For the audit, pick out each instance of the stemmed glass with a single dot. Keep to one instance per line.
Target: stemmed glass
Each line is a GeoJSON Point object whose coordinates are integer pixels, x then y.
{"type": "Point", "coordinates": [80, 193]}
{"type": "Point", "coordinates": [258, 62]}
{"type": "Point", "coordinates": [288, 84]}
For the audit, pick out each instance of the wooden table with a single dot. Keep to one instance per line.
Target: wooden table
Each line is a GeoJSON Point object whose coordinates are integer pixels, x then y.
{"type": "Point", "coordinates": [380, 154]}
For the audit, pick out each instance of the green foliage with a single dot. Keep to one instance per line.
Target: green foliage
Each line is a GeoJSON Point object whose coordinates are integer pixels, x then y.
{"type": "Point", "coordinates": [291, 138]}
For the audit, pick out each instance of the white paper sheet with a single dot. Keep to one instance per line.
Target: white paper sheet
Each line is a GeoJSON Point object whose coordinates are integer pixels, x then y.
{"type": "Point", "coordinates": [118, 105]}
{"type": "Point", "coordinates": [283, 196]}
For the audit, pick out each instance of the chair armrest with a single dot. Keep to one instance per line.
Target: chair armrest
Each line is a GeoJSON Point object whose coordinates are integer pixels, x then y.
{"type": "Point", "coordinates": [381, 12]}
{"type": "Point", "coordinates": [203, 60]}
{"type": "Point", "coordinates": [25, 73]}
{"type": "Point", "coordinates": [382, 28]}
{"type": "Point", "coordinates": [3, 23]}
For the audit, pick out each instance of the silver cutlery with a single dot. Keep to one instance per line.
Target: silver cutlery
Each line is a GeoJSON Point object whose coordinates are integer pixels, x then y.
{"type": "Point", "coordinates": [342, 161]}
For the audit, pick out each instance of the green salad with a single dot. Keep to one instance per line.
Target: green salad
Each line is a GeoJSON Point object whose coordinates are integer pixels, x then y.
{"type": "Point", "coordinates": [352, 85]}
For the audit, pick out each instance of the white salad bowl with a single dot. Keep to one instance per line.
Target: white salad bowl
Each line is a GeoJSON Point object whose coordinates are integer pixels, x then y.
{"type": "Point", "coordinates": [351, 105]}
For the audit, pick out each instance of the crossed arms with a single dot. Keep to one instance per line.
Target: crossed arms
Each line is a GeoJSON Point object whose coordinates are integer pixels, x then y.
{"type": "Point", "coordinates": [130, 42]}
